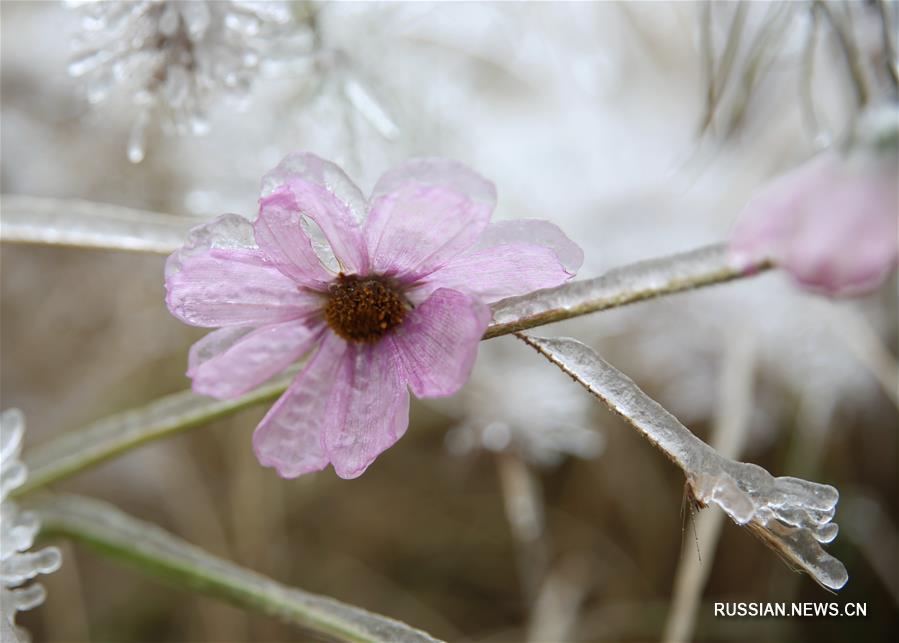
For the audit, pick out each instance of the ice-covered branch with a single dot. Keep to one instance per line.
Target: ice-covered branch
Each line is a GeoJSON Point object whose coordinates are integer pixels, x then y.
{"type": "Point", "coordinates": [643, 280]}
{"type": "Point", "coordinates": [86, 224]}
{"type": "Point", "coordinates": [791, 515]}
{"type": "Point", "coordinates": [74, 451]}
{"type": "Point", "coordinates": [161, 554]}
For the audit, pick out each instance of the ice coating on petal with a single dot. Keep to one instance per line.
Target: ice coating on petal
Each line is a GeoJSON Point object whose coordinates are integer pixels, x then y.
{"type": "Point", "coordinates": [790, 514]}
{"type": "Point", "coordinates": [249, 360]}
{"type": "Point", "coordinates": [497, 272]}
{"type": "Point", "coordinates": [291, 435]}
{"type": "Point", "coordinates": [214, 344]}
{"type": "Point", "coordinates": [438, 342]}
{"type": "Point", "coordinates": [234, 288]}
{"type": "Point", "coordinates": [225, 231]}
{"type": "Point", "coordinates": [316, 171]}
{"type": "Point", "coordinates": [417, 229]}
{"type": "Point", "coordinates": [423, 213]}
{"type": "Point", "coordinates": [280, 235]}
{"type": "Point", "coordinates": [831, 223]}
{"type": "Point", "coordinates": [324, 193]}
{"type": "Point", "coordinates": [535, 232]}
{"type": "Point", "coordinates": [437, 172]}
{"type": "Point", "coordinates": [368, 410]}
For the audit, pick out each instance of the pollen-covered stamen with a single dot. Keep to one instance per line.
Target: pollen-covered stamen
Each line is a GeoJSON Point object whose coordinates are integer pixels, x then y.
{"type": "Point", "coordinates": [364, 309]}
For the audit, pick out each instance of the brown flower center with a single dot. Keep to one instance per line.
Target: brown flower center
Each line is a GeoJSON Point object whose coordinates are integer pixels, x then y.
{"type": "Point", "coordinates": [364, 309]}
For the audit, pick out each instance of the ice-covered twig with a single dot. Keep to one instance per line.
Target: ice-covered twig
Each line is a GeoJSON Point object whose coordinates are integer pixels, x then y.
{"type": "Point", "coordinates": [791, 515]}
{"type": "Point", "coordinates": [154, 550]}
{"type": "Point", "coordinates": [731, 429]}
{"type": "Point", "coordinates": [75, 451]}
{"type": "Point", "coordinates": [86, 224]}
{"type": "Point", "coordinates": [643, 280]}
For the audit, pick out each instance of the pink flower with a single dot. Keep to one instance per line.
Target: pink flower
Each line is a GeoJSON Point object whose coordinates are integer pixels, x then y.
{"type": "Point", "coordinates": [385, 297]}
{"type": "Point", "coordinates": [831, 223]}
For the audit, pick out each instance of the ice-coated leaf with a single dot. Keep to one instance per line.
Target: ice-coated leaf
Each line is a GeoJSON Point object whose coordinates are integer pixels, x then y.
{"type": "Point", "coordinates": [792, 516]}
{"type": "Point", "coordinates": [628, 284]}
{"type": "Point", "coordinates": [154, 550]}
{"type": "Point", "coordinates": [108, 437]}
{"type": "Point", "coordinates": [85, 224]}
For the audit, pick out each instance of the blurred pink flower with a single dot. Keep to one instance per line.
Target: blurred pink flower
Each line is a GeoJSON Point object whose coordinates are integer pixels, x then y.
{"type": "Point", "coordinates": [385, 297]}
{"type": "Point", "coordinates": [831, 223]}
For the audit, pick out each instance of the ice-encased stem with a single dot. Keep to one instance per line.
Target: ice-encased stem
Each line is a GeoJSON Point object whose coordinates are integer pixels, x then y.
{"type": "Point", "coordinates": [620, 286]}
{"type": "Point", "coordinates": [86, 224]}
{"type": "Point", "coordinates": [75, 451]}
{"type": "Point", "coordinates": [154, 550]}
{"type": "Point", "coordinates": [791, 515]}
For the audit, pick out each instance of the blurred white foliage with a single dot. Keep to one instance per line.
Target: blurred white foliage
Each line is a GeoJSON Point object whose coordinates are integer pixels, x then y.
{"type": "Point", "coordinates": [177, 57]}
{"type": "Point", "coordinates": [17, 532]}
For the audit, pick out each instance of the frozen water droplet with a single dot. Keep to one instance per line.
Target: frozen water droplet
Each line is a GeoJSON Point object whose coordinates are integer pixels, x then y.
{"type": "Point", "coordinates": [29, 597]}
{"type": "Point", "coordinates": [137, 139]}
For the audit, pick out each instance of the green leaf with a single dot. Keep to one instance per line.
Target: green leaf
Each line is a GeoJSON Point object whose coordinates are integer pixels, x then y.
{"type": "Point", "coordinates": [153, 550]}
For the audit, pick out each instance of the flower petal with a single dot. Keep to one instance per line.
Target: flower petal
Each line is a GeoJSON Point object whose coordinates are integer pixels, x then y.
{"type": "Point", "coordinates": [534, 232]}
{"type": "Point", "coordinates": [498, 272]}
{"type": "Point", "coordinates": [438, 342]}
{"type": "Point", "coordinates": [290, 436]}
{"type": "Point", "coordinates": [849, 241]}
{"type": "Point", "coordinates": [424, 213]}
{"type": "Point", "coordinates": [368, 410]}
{"type": "Point", "coordinates": [225, 231]}
{"type": "Point", "coordinates": [324, 193]}
{"type": "Point", "coordinates": [235, 287]}
{"type": "Point", "coordinates": [280, 236]}
{"type": "Point", "coordinates": [831, 223]}
{"type": "Point", "coordinates": [224, 365]}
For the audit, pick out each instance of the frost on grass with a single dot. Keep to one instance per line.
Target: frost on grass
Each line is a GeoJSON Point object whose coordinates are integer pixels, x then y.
{"type": "Point", "coordinates": [17, 532]}
{"type": "Point", "coordinates": [792, 516]}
